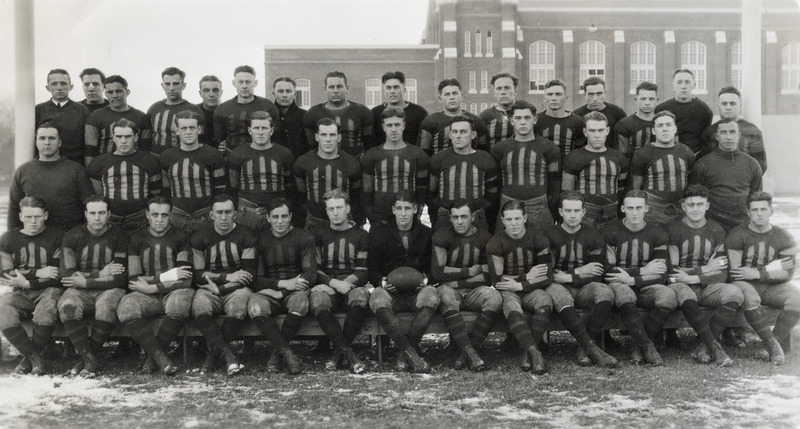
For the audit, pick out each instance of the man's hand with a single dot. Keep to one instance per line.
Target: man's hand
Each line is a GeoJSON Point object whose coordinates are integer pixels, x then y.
{"type": "Point", "coordinates": [745, 273]}
{"type": "Point", "coordinates": [621, 276]}
{"type": "Point", "coordinates": [537, 271]}
{"type": "Point", "coordinates": [141, 285]}
{"type": "Point", "coordinates": [293, 284]}
{"type": "Point", "coordinates": [562, 277]}
{"type": "Point", "coordinates": [590, 269]}
{"type": "Point", "coordinates": [474, 270]}
{"type": "Point", "coordinates": [112, 269]}
{"type": "Point", "coordinates": [388, 286]}
{"type": "Point", "coordinates": [210, 286]}
{"type": "Point", "coordinates": [656, 267]}
{"type": "Point", "coordinates": [324, 289]}
{"type": "Point", "coordinates": [681, 276]}
{"type": "Point", "coordinates": [509, 284]}
{"type": "Point", "coordinates": [175, 274]}
{"type": "Point", "coordinates": [47, 273]}
{"type": "Point", "coordinates": [15, 280]}
{"type": "Point", "coordinates": [787, 263]}
{"type": "Point", "coordinates": [272, 293]}
{"type": "Point", "coordinates": [341, 286]}
{"type": "Point", "coordinates": [77, 280]}
{"type": "Point", "coordinates": [720, 263]}
{"type": "Point", "coordinates": [242, 277]}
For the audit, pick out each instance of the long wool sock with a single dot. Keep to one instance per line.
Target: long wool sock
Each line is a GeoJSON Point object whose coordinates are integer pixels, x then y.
{"type": "Point", "coordinates": [693, 314]}
{"type": "Point", "coordinates": [330, 326]}
{"type": "Point", "coordinates": [419, 324]}
{"type": "Point", "coordinates": [168, 331]}
{"type": "Point", "coordinates": [519, 327]}
{"type": "Point", "coordinates": [758, 320]}
{"type": "Point", "coordinates": [784, 324]}
{"type": "Point", "coordinates": [291, 324]}
{"type": "Point", "coordinates": [269, 329]}
{"type": "Point", "coordinates": [540, 322]}
{"type": "Point", "coordinates": [230, 328]}
{"type": "Point", "coordinates": [78, 334]}
{"type": "Point", "coordinates": [632, 320]}
{"type": "Point", "coordinates": [42, 334]}
{"type": "Point", "coordinates": [596, 318]}
{"type": "Point", "coordinates": [483, 325]}
{"type": "Point", "coordinates": [457, 329]}
{"type": "Point", "coordinates": [572, 321]}
{"type": "Point", "coordinates": [143, 335]}
{"type": "Point", "coordinates": [656, 319]}
{"type": "Point", "coordinates": [18, 337]}
{"type": "Point", "coordinates": [391, 325]}
{"type": "Point", "coordinates": [353, 323]}
{"type": "Point", "coordinates": [211, 331]}
{"type": "Point", "coordinates": [721, 318]}
{"type": "Point", "coordinates": [101, 332]}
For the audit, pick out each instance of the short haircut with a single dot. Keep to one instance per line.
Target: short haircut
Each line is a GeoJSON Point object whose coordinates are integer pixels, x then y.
{"type": "Point", "coordinates": [394, 75]}
{"type": "Point", "coordinates": [404, 196]}
{"type": "Point", "coordinates": [636, 193]}
{"type": "Point", "coordinates": [393, 112]}
{"type": "Point", "coordinates": [691, 73]}
{"type": "Point", "coordinates": [115, 79]}
{"type": "Point", "coordinates": [326, 122]}
{"type": "Point", "coordinates": [336, 194]}
{"type": "Point", "coordinates": [759, 196]}
{"type": "Point", "coordinates": [728, 121]}
{"type": "Point", "coordinates": [244, 69]}
{"type": "Point", "coordinates": [595, 116]}
{"type": "Point", "coordinates": [96, 198]}
{"type": "Point", "coordinates": [58, 71]}
{"type": "Point", "coordinates": [33, 202]}
{"type": "Point", "coordinates": [663, 113]}
{"type": "Point", "coordinates": [284, 79]}
{"type": "Point", "coordinates": [259, 115]}
{"type": "Point", "coordinates": [276, 203]}
{"type": "Point", "coordinates": [594, 80]}
{"type": "Point", "coordinates": [124, 123]}
{"type": "Point", "coordinates": [223, 198]}
{"type": "Point", "coordinates": [90, 71]}
{"type": "Point", "coordinates": [502, 75]}
{"type": "Point", "coordinates": [555, 82]}
{"type": "Point", "coordinates": [448, 82]}
{"type": "Point", "coordinates": [695, 191]}
{"type": "Point", "coordinates": [49, 124]}
{"type": "Point", "coordinates": [172, 71]}
{"type": "Point", "coordinates": [463, 202]}
{"type": "Point", "coordinates": [512, 205]}
{"type": "Point", "coordinates": [522, 105]}
{"type": "Point", "coordinates": [463, 118]}
{"type": "Point", "coordinates": [209, 78]}
{"type": "Point", "coordinates": [730, 89]}
{"type": "Point", "coordinates": [190, 114]}
{"type": "Point", "coordinates": [572, 196]}
{"type": "Point", "coordinates": [160, 199]}
{"type": "Point", "coordinates": [646, 86]}
{"type": "Point", "coordinates": [335, 73]}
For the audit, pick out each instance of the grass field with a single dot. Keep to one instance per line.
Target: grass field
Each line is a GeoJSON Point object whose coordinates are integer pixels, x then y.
{"type": "Point", "coordinates": [680, 394]}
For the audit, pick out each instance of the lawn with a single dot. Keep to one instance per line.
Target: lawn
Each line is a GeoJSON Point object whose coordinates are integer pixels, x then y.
{"type": "Point", "coordinates": [680, 394]}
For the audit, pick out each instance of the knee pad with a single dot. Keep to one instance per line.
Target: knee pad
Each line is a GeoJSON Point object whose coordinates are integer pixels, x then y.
{"type": "Point", "coordinates": [70, 310]}
{"type": "Point", "coordinates": [9, 317]}
{"type": "Point", "coordinates": [128, 310]}
{"type": "Point", "coordinates": [380, 299]}
{"type": "Point", "coordinates": [319, 301]}
{"type": "Point", "coordinates": [358, 297]}
{"type": "Point", "coordinates": [428, 298]}
{"type": "Point", "coordinates": [792, 302]}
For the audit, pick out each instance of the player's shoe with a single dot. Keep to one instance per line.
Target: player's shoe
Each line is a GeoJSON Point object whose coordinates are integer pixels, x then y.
{"type": "Point", "coordinates": [651, 355]}
{"type": "Point", "coordinates": [525, 361]}
{"type": "Point", "coordinates": [418, 364]}
{"type": "Point", "coordinates": [701, 353]}
{"type": "Point", "coordinates": [333, 363]}
{"type": "Point", "coordinates": [148, 367]}
{"type": "Point", "coordinates": [729, 338]}
{"type": "Point", "coordinates": [24, 366]}
{"type": "Point", "coordinates": [164, 364]}
{"type": "Point", "coordinates": [210, 362]}
{"type": "Point", "coordinates": [232, 364]}
{"type": "Point", "coordinates": [355, 364]}
{"type": "Point", "coordinates": [671, 340]}
{"type": "Point", "coordinates": [600, 357]}
{"type": "Point", "coordinates": [475, 362]}
{"type": "Point", "coordinates": [537, 361]}
{"type": "Point", "coordinates": [776, 356]}
{"type": "Point", "coordinates": [77, 368]}
{"type": "Point", "coordinates": [720, 357]}
{"type": "Point", "coordinates": [636, 355]}
{"type": "Point", "coordinates": [91, 365]}
{"type": "Point", "coordinates": [583, 358]}
{"type": "Point", "coordinates": [294, 365]}
{"type": "Point", "coordinates": [38, 365]}
{"type": "Point", "coordinates": [461, 361]}
{"type": "Point", "coordinates": [273, 362]}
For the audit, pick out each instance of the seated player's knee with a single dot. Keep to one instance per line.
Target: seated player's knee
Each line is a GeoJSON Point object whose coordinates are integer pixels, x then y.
{"type": "Point", "coordinates": [259, 306]}
{"type": "Point", "coordinates": [380, 299]}
{"type": "Point", "coordinates": [106, 305]}
{"type": "Point", "coordinates": [536, 300]}
{"type": "Point", "coordinates": [490, 299]}
{"type": "Point", "coordinates": [297, 303]}
{"type": "Point", "coordinates": [358, 297]}
{"type": "Point", "coordinates": [319, 301]}
{"type": "Point", "coordinates": [792, 302]}
{"type": "Point", "coordinates": [236, 304]}
{"type": "Point", "coordinates": [602, 293]}
{"type": "Point", "coordinates": [750, 297]}
{"type": "Point", "coordinates": [179, 304]}
{"type": "Point", "coordinates": [448, 299]}
{"type": "Point", "coordinates": [202, 304]}
{"type": "Point", "coordinates": [731, 294]}
{"type": "Point", "coordinates": [623, 294]}
{"type": "Point", "coordinates": [129, 309]}
{"type": "Point", "coordinates": [9, 317]}
{"type": "Point", "coordinates": [69, 310]}
{"type": "Point", "coordinates": [511, 303]}
{"type": "Point", "coordinates": [682, 292]}
{"type": "Point", "coordinates": [560, 296]}
{"type": "Point", "coordinates": [665, 298]}
{"type": "Point", "coordinates": [427, 297]}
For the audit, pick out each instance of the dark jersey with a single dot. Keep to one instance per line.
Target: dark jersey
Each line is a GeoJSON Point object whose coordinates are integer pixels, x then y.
{"type": "Point", "coordinates": [162, 116]}
{"type": "Point", "coordinates": [613, 113]}
{"type": "Point", "coordinates": [341, 254]}
{"type": "Point", "coordinates": [81, 251]}
{"type": "Point", "coordinates": [632, 250]}
{"type": "Point", "coordinates": [316, 176]}
{"type": "Point", "coordinates": [692, 119]}
{"type": "Point", "coordinates": [528, 169]}
{"type": "Point", "coordinates": [597, 174]}
{"type": "Point", "coordinates": [93, 107]}
{"type": "Point", "coordinates": [435, 132]}
{"type": "Point", "coordinates": [692, 248]}
{"type": "Point", "coordinates": [415, 114]}
{"type": "Point", "coordinates": [355, 121]}
{"type": "Point", "coordinates": [29, 253]}
{"type": "Point", "coordinates": [231, 118]}
{"type": "Point", "coordinates": [291, 133]}
{"type": "Point", "coordinates": [498, 125]}
{"type": "Point", "coordinates": [286, 257]}
{"type": "Point", "coordinates": [519, 255]}
{"type": "Point", "coordinates": [160, 254]}
{"type": "Point", "coordinates": [566, 132]}
{"type": "Point", "coordinates": [128, 180]}
{"type": "Point", "coordinates": [386, 172]}
{"type": "Point", "coordinates": [462, 252]}
{"type": "Point", "coordinates": [195, 176]}
{"type": "Point", "coordinates": [575, 250]}
{"type": "Point", "coordinates": [632, 134]}
{"type": "Point", "coordinates": [71, 122]}
{"type": "Point", "coordinates": [223, 254]}
{"type": "Point", "coordinates": [390, 248]}
{"type": "Point", "coordinates": [759, 249]}
{"type": "Point", "coordinates": [99, 133]}
{"type": "Point", "coordinates": [751, 141]}
{"type": "Point", "coordinates": [261, 175]}
{"type": "Point", "coordinates": [664, 170]}
{"type": "Point", "coordinates": [207, 136]}
{"type": "Point", "coordinates": [473, 177]}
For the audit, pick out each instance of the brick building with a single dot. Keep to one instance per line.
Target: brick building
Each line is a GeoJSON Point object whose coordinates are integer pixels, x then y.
{"type": "Point", "coordinates": [624, 42]}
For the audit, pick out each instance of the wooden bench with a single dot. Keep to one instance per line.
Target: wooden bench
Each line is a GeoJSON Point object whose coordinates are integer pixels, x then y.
{"type": "Point", "coordinates": [373, 329]}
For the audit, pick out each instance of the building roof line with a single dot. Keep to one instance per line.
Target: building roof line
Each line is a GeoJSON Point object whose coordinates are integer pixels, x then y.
{"type": "Point", "coordinates": [306, 47]}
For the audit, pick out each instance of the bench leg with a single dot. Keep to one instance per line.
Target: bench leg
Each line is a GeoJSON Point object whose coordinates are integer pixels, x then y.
{"type": "Point", "coordinates": [380, 348]}
{"type": "Point", "coordinates": [602, 344]}
{"type": "Point", "coordinates": [186, 345]}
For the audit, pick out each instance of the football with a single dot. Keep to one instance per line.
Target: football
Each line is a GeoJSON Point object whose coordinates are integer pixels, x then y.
{"type": "Point", "coordinates": [405, 279]}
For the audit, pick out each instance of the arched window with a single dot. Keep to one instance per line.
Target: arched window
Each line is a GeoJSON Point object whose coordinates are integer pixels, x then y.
{"type": "Point", "coordinates": [736, 65]}
{"type": "Point", "coordinates": [592, 60]}
{"type": "Point", "coordinates": [473, 108]}
{"type": "Point", "coordinates": [472, 82]}
{"type": "Point", "coordinates": [463, 106]}
{"type": "Point", "coordinates": [302, 93]}
{"type": "Point", "coordinates": [790, 68]}
{"type": "Point", "coordinates": [373, 95]}
{"type": "Point", "coordinates": [478, 42]}
{"type": "Point", "coordinates": [411, 90]}
{"type": "Point", "coordinates": [467, 41]}
{"type": "Point", "coordinates": [484, 106]}
{"type": "Point", "coordinates": [484, 82]}
{"type": "Point", "coordinates": [542, 62]}
{"type": "Point", "coordinates": [489, 52]}
{"type": "Point", "coordinates": [693, 57]}
{"type": "Point", "coordinates": [643, 63]}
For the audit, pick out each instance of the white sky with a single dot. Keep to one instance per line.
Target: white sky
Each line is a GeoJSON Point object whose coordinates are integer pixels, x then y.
{"type": "Point", "coordinates": [139, 38]}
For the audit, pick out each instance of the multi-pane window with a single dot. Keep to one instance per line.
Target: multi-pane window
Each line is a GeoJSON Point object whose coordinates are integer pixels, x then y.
{"type": "Point", "coordinates": [484, 81]}
{"type": "Point", "coordinates": [302, 93]}
{"type": "Point", "coordinates": [484, 106]}
{"type": "Point", "coordinates": [411, 90]}
{"type": "Point", "coordinates": [373, 96]}
{"type": "Point", "coordinates": [790, 67]}
{"type": "Point", "coordinates": [488, 43]}
{"type": "Point", "coordinates": [736, 65]}
{"type": "Point", "coordinates": [472, 81]}
{"type": "Point", "coordinates": [478, 43]}
{"type": "Point", "coordinates": [467, 41]}
{"type": "Point", "coordinates": [463, 106]}
{"type": "Point", "coordinates": [473, 108]}
{"type": "Point", "coordinates": [643, 63]}
{"type": "Point", "coordinates": [693, 57]}
{"type": "Point", "coordinates": [542, 63]}
{"type": "Point", "coordinates": [592, 60]}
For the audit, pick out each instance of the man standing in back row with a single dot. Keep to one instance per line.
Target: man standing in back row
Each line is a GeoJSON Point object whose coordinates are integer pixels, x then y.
{"type": "Point", "coordinates": [162, 113]}
{"type": "Point", "coordinates": [498, 117]}
{"type": "Point", "coordinates": [595, 92]}
{"type": "Point", "coordinates": [692, 115]}
{"type": "Point", "coordinates": [394, 89]}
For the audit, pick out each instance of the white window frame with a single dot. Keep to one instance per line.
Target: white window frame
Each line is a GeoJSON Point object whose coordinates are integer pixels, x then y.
{"type": "Point", "coordinates": [643, 63]}
{"type": "Point", "coordinates": [303, 87]}
{"type": "Point", "coordinates": [541, 64]}
{"type": "Point", "coordinates": [484, 106]}
{"type": "Point", "coordinates": [736, 64]}
{"type": "Point", "coordinates": [411, 90]}
{"type": "Point", "coordinates": [463, 107]}
{"type": "Point", "coordinates": [473, 108]}
{"type": "Point", "coordinates": [592, 59]}
{"type": "Point", "coordinates": [694, 57]}
{"type": "Point", "coordinates": [478, 44]}
{"type": "Point", "coordinates": [473, 84]}
{"type": "Point", "coordinates": [790, 68]}
{"type": "Point", "coordinates": [373, 92]}
{"type": "Point", "coordinates": [484, 81]}
{"type": "Point", "coordinates": [467, 43]}
{"type": "Point", "coordinates": [489, 49]}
